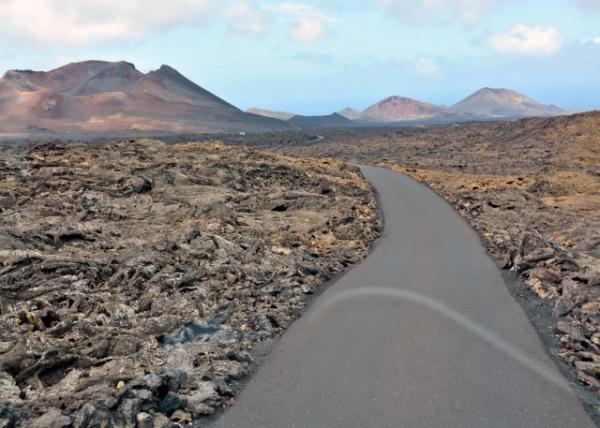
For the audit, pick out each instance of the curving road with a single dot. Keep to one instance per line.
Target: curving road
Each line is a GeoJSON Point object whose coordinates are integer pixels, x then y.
{"type": "Point", "coordinates": [423, 333]}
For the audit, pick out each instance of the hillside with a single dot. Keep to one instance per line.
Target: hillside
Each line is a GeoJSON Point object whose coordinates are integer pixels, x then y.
{"type": "Point", "coordinates": [281, 115]}
{"type": "Point", "coordinates": [98, 96]}
{"type": "Point", "coordinates": [334, 120]}
{"type": "Point", "coordinates": [503, 102]}
{"type": "Point", "coordinates": [350, 113]}
{"type": "Point", "coordinates": [395, 109]}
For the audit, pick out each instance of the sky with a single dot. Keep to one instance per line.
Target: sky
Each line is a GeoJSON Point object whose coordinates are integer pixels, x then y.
{"type": "Point", "coordinates": [317, 57]}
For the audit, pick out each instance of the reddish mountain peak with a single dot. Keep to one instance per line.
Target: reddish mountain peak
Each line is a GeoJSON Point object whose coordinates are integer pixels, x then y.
{"type": "Point", "coordinates": [397, 108]}
{"type": "Point", "coordinates": [83, 68]}
{"type": "Point", "coordinates": [499, 92]}
{"type": "Point", "coordinates": [122, 69]}
{"type": "Point", "coordinates": [503, 102]}
{"type": "Point", "coordinates": [58, 79]}
{"type": "Point", "coordinates": [397, 99]}
{"type": "Point", "coordinates": [166, 72]}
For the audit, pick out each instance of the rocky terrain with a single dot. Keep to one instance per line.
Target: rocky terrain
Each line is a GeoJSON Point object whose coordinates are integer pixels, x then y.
{"type": "Point", "coordinates": [532, 190]}
{"type": "Point", "coordinates": [136, 278]}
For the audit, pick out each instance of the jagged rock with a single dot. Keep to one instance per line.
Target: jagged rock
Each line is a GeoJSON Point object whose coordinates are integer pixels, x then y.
{"type": "Point", "coordinates": [123, 264]}
{"type": "Point", "coordinates": [566, 327]}
{"type": "Point", "coordinates": [91, 417]}
{"type": "Point", "coordinates": [9, 391]}
{"type": "Point", "coordinates": [563, 306]}
{"type": "Point", "coordinates": [181, 417]}
{"type": "Point", "coordinates": [53, 418]}
{"type": "Point", "coordinates": [171, 402]}
{"type": "Point", "coordinates": [7, 418]}
{"type": "Point", "coordinates": [144, 420]}
{"type": "Point", "coordinates": [161, 421]}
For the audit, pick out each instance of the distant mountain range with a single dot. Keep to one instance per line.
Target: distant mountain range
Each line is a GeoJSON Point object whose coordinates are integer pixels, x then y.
{"type": "Point", "coordinates": [483, 105]}
{"type": "Point", "coordinates": [99, 97]}
{"type": "Point", "coordinates": [112, 97]}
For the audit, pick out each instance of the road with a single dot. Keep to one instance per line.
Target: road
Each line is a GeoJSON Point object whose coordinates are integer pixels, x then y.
{"type": "Point", "coordinates": [423, 333]}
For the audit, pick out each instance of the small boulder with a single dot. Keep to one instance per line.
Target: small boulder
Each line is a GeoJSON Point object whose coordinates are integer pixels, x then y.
{"type": "Point", "coordinates": [144, 420]}
{"type": "Point", "coordinates": [171, 402]}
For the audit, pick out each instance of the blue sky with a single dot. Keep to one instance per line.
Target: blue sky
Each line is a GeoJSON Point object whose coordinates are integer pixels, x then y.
{"type": "Point", "coordinates": [315, 57]}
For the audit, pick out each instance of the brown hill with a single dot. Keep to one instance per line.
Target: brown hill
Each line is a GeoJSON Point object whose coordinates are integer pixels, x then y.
{"type": "Point", "coordinates": [396, 108]}
{"type": "Point", "coordinates": [98, 96]}
{"type": "Point", "coordinates": [504, 102]}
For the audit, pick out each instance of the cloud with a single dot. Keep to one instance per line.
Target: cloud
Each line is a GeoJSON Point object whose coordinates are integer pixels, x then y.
{"type": "Point", "coordinates": [306, 23]}
{"type": "Point", "coordinates": [468, 12]}
{"type": "Point", "coordinates": [524, 40]}
{"type": "Point", "coordinates": [588, 4]}
{"type": "Point", "coordinates": [426, 66]}
{"type": "Point", "coordinates": [245, 18]}
{"type": "Point", "coordinates": [592, 41]}
{"type": "Point", "coordinates": [79, 22]}
{"type": "Point", "coordinates": [76, 22]}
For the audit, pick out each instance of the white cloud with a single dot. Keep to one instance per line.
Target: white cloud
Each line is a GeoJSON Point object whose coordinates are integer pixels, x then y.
{"type": "Point", "coordinates": [524, 40]}
{"type": "Point", "coordinates": [469, 12]}
{"type": "Point", "coordinates": [79, 22]}
{"type": "Point", "coordinates": [592, 41]}
{"type": "Point", "coordinates": [246, 18]}
{"type": "Point", "coordinates": [426, 66]}
{"type": "Point", "coordinates": [75, 22]}
{"type": "Point", "coordinates": [306, 23]}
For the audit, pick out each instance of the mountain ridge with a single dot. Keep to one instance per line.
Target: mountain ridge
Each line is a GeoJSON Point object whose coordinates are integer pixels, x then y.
{"type": "Point", "coordinates": [101, 96]}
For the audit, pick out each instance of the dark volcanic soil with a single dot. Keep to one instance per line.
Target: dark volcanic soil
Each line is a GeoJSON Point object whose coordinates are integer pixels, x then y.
{"type": "Point", "coordinates": [532, 190]}
{"type": "Point", "coordinates": [137, 277]}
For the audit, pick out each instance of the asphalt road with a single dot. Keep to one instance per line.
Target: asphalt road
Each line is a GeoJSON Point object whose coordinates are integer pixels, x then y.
{"type": "Point", "coordinates": [423, 333]}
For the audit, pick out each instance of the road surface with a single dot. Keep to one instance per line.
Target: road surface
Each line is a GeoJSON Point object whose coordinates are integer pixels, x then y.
{"type": "Point", "coordinates": [423, 333]}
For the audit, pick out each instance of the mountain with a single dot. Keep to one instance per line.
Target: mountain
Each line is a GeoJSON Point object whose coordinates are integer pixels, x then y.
{"type": "Point", "coordinates": [281, 115]}
{"type": "Point", "coordinates": [394, 109]}
{"type": "Point", "coordinates": [350, 113]}
{"type": "Point", "coordinates": [99, 96]}
{"type": "Point", "coordinates": [503, 103]}
{"type": "Point", "coordinates": [334, 120]}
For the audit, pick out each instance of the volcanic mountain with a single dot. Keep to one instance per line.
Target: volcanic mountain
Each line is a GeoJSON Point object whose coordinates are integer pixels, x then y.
{"type": "Point", "coordinates": [396, 109]}
{"type": "Point", "coordinates": [350, 113]}
{"type": "Point", "coordinates": [503, 103]}
{"type": "Point", "coordinates": [99, 96]}
{"type": "Point", "coordinates": [281, 115]}
{"type": "Point", "coordinates": [334, 120]}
